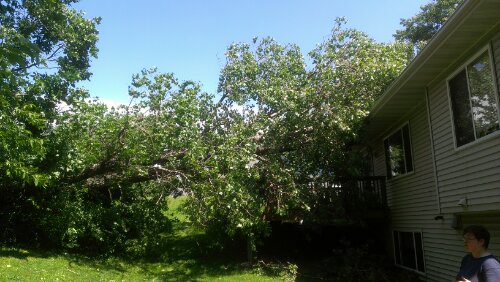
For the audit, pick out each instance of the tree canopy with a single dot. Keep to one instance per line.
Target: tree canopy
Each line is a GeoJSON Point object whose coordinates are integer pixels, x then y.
{"type": "Point", "coordinates": [79, 175]}
{"type": "Point", "coordinates": [298, 122]}
{"type": "Point", "coordinates": [419, 29]}
{"type": "Point", "coordinates": [45, 49]}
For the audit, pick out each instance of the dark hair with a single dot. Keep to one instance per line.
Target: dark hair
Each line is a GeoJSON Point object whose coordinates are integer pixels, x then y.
{"type": "Point", "coordinates": [480, 232]}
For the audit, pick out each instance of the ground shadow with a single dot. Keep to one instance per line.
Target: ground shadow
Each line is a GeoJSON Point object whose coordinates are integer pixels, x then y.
{"type": "Point", "coordinates": [19, 254]}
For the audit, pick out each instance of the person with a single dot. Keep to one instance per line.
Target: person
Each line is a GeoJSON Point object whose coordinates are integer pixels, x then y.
{"type": "Point", "coordinates": [479, 265]}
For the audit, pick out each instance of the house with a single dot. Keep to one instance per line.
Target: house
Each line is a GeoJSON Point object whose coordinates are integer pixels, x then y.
{"type": "Point", "coordinates": [435, 135]}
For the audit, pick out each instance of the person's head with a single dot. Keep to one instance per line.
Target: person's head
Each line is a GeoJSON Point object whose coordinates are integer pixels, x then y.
{"type": "Point", "coordinates": [477, 233]}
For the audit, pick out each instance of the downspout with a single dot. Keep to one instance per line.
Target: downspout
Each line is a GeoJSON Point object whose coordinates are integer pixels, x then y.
{"type": "Point", "coordinates": [431, 133]}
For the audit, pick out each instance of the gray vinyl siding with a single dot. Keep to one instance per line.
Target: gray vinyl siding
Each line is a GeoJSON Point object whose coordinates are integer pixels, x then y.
{"type": "Point", "coordinates": [412, 197]}
{"type": "Point", "coordinates": [379, 167]}
{"type": "Point", "coordinates": [473, 172]}
{"type": "Point", "coordinates": [414, 191]}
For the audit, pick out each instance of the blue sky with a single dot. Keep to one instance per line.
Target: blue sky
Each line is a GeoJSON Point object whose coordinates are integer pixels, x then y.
{"type": "Point", "coordinates": [189, 37]}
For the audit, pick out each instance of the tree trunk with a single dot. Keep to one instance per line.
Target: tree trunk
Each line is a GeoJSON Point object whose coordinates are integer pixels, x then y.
{"type": "Point", "coordinates": [250, 246]}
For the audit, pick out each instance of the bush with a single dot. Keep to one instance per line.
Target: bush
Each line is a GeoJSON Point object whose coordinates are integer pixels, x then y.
{"type": "Point", "coordinates": [126, 221]}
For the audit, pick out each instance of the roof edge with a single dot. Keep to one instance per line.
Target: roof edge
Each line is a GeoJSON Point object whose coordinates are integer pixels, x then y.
{"type": "Point", "coordinates": [425, 54]}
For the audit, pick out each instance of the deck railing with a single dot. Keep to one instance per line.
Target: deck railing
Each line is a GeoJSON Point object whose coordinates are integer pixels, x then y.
{"type": "Point", "coordinates": [351, 195]}
{"type": "Point", "coordinates": [337, 200]}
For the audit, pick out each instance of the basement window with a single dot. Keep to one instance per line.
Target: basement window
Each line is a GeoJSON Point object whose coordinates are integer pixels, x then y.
{"type": "Point", "coordinates": [398, 155]}
{"type": "Point", "coordinates": [474, 100]}
{"type": "Point", "coordinates": [408, 250]}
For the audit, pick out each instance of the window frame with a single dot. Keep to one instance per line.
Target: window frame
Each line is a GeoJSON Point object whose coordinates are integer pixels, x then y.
{"type": "Point", "coordinates": [387, 159]}
{"type": "Point", "coordinates": [463, 67]}
{"type": "Point", "coordinates": [415, 253]}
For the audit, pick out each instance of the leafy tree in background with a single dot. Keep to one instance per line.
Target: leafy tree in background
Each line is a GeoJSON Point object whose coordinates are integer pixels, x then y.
{"type": "Point", "coordinates": [89, 178]}
{"type": "Point", "coordinates": [419, 29]}
{"type": "Point", "coordinates": [72, 172]}
{"type": "Point", "coordinates": [45, 49]}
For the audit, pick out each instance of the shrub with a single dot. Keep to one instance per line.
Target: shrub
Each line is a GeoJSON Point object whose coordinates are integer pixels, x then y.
{"type": "Point", "coordinates": [92, 222]}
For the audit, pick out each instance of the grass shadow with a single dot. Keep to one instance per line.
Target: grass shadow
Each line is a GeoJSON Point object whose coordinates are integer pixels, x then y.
{"type": "Point", "coordinates": [16, 253]}
{"type": "Point", "coordinates": [188, 256]}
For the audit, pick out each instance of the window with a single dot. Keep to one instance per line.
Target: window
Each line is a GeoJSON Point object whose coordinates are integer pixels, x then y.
{"type": "Point", "coordinates": [474, 100]}
{"type": "Point", "coordinates": [398, 156]}
{"type": "Point", "coordinates": [408, 250]}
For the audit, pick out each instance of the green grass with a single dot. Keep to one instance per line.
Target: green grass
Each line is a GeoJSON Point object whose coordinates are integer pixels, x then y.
{"type": "Point", "coordinates": [24, 265]}
{"type": "Point", "coordinates": [183, 261]}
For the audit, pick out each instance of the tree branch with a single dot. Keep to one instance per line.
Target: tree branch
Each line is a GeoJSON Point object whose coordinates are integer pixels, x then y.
{"type": "Point", "coordinates": [108, 172]}
{"type": "Point", "coordinates": [37, 62]}
{"type": "Point", "coordinates": [154, 172]}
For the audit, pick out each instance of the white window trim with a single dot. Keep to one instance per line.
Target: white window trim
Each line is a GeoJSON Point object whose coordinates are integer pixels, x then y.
{"type": "Point", "coordinates": [414, 246]}
{"type": "Point", "coordinates": [404, 151]}
{"type": "Point", "coordinates": [462, 67]}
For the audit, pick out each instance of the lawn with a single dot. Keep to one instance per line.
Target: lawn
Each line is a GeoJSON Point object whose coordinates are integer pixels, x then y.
{"type": "Point", "coordinates": [24, 265]}
{"type": "Point", "coordinates": [181, 262]}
